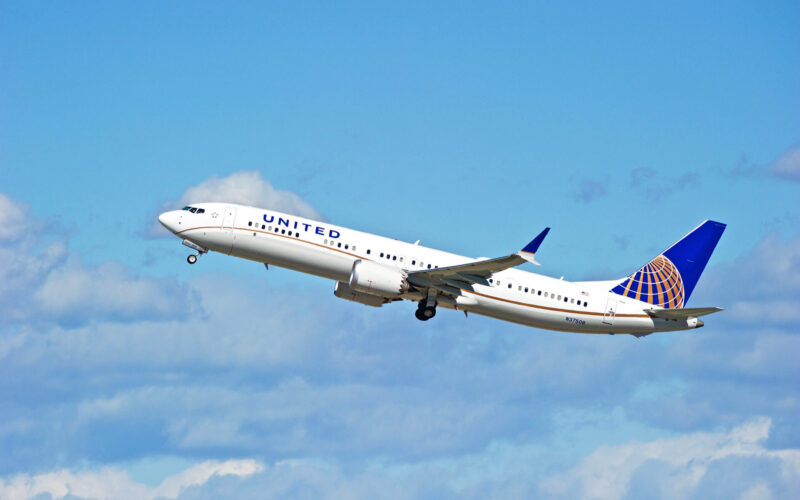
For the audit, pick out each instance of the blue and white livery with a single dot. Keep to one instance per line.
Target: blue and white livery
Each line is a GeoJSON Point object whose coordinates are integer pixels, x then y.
{"type": "Point", "coordinates": [374, 270]}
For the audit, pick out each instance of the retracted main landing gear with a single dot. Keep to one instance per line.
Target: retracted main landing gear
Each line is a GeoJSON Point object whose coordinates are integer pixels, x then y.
{"type": "Point", "coordinates": [427, 307]}
{"type": "Point", "coordinates": [194, 246]}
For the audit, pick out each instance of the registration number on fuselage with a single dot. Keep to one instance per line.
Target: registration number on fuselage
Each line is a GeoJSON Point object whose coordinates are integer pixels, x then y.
{"type": "Point", "coordinates": [575, 321]}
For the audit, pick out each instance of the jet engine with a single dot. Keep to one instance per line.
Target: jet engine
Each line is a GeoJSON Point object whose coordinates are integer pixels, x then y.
{"type": "Point", "coordinates": [343, 291]}
{"type": "Point", "coordinates": [377, 279]}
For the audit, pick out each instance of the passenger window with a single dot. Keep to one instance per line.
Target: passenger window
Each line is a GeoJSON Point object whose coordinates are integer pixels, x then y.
{"type": "Point", "coordinates": [354, 248]}
{"type": "Point", "coordinates": [571, 301]}
{"type": "Point", "coordinates": [381, 254]}
{"type": "Point", "coordinates": [413, 262]}
{"type": "Point", "coordinates": [491, 280]}
{"type": "Point", "coordinates": [394, 258]}
{"type": "Point", "coordinates": [540, 292]}
{"type": "Point", "coordinates": [346, 247]}
{"type": "Point", "coordinates": [566, 299]}
{"type": "Point", "coordinates": [369, 251]}
{"type": "Point", "coordinates": [509, 285]}
{"type": "Point", "coordinates": [250, 223]}
{"type": "Point", "coordinates": [283, 231]}
{"type": "Point", "coordinates": [559, 297]}
{"type": "Point", "coordinates": [526, 290]}
{"type": "Point", "coordinates": [262, 227]}
{"type": "Point", "coordinates": [339, 245]}
{"type": "Point", "coordinates": [585, 304]}
{"type": "Point", "coordinates": [429, 266]}
{"type": "Point", "coordinates": [326, 241]}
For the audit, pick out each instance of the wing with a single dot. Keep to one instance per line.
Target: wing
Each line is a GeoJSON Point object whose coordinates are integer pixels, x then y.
{"type": "Point", "coordinates": [452, 279]}
{"type": "Point", "coordinates": [687, 312]}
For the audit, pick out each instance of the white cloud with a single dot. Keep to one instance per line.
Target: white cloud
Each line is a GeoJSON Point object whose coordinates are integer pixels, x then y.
{"type": "Point", "coordinates": [686, 460]}
{"type": "Point", "coordinates": [41, 279]}
{"type": "Point", "coordinates": [110, 483]}
{"type": "Point", "coordinates": [787, 165]}
{"type": "Point", "coordinates": [734, 464]}
{"type": "Point", "coordinates": [762, 286]}
{"type": "Point", "coordinates": [73, 292]}
{"type": "Point", "coordinates": [13, 218]}
{"type": "Point", "coordinates": [246, 188]}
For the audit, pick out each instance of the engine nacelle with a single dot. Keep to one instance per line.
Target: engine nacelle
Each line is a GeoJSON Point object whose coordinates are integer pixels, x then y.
{"type": "Point", "coordinates": [377, 279]}
{"type": "Point", "coordinates": [343, 291]}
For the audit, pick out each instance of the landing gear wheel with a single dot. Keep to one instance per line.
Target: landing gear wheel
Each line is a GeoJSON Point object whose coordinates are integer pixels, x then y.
{"type": "Point", "coordinates": [191, 259]}
{"type": "Point", "coordinates": [424, 313]}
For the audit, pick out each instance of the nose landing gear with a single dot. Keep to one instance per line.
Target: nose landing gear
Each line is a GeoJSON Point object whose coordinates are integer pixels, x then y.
{"type": "Point", "coordinates": [194, 246]}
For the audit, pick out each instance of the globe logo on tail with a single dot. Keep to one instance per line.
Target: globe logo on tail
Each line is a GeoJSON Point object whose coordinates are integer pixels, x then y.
{"type": "Point", "coordinates": [658, 283]}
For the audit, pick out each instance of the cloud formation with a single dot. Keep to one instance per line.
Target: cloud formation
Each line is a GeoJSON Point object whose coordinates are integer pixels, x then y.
{"type": "Point", "coordinates": [761, 286]}
{"type": "Point", "coordinates": [684, 467]}
{"type": "Point", "coordinates": [732, 463]}
{"type": "Point", "coordinates": [787, 165]}
{"type": "Point", "coordinates": [13, 216]}
{"type": "Point", "coordinates": [40, 280]}
{"type": "Point", "coordinates": [76, 293]}
{"type": "Point", "coordinates": [112, 483]}
{"type": "Point", "coordinates": [656, 187]}
{"type": "Point", "coordinates": [590, 189]}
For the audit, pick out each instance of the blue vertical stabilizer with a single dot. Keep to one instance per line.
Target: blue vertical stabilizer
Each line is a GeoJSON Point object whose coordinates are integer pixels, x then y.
{"type": "Point", "coordinates": [668, 280]}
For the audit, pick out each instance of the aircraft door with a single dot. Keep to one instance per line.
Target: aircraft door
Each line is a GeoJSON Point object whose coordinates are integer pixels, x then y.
{"type": "Point", "coordinates": [611, 311]}
{"type": "Point", "coordinates": [229, 218]}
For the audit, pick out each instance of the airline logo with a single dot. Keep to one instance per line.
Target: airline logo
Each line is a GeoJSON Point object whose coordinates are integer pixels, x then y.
{"type": "Point", "coordinates": [658, 283]}
{"type": "Point", "coordinates": [293, 224]}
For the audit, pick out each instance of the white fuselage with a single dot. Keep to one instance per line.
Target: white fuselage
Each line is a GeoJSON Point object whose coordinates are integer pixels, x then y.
{"type": "Point", "coordinates": [330, 251]}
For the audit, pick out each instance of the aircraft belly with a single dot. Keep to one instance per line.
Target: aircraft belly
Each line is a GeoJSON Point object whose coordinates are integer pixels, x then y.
{"type": "Point", "coordinates": [545, 318]}
{"type": "Point", "coordinates": [295, 255]}
{"type": "Point", "coordinates": [213, 239]}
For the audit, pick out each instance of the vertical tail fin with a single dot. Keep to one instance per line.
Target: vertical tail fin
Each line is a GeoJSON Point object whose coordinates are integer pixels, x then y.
{"type": "Point", "coordinates": [668, 280]}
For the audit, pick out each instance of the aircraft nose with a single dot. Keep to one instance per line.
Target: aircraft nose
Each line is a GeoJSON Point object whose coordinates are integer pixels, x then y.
{"type": "Point", "coordinates": [167, 219]}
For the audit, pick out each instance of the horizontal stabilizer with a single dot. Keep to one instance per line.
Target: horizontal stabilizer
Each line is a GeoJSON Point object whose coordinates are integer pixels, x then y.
{"type": "Point", "coordinates": [686, 312]}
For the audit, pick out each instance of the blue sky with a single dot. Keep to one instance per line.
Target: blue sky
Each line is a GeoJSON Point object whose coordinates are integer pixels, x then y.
{"type": "Point", "coordinates": [467, 126]}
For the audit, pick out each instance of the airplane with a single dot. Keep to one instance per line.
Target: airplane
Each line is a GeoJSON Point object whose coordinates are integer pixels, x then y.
{"type": "Point", "coordinates": [374, 270]}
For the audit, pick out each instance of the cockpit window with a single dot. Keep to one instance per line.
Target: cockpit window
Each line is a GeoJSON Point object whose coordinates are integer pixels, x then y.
{"type": "Point", "coordinates": [202, 211]}
{"type": "Point", "coordinates": [186, 208]}
{"type": "Point", "coordinates": [193, 210]}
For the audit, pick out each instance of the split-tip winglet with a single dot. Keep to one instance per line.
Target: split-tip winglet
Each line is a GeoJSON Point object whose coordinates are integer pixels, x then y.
{"type": "Point", "coordinates": [528, 252]}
